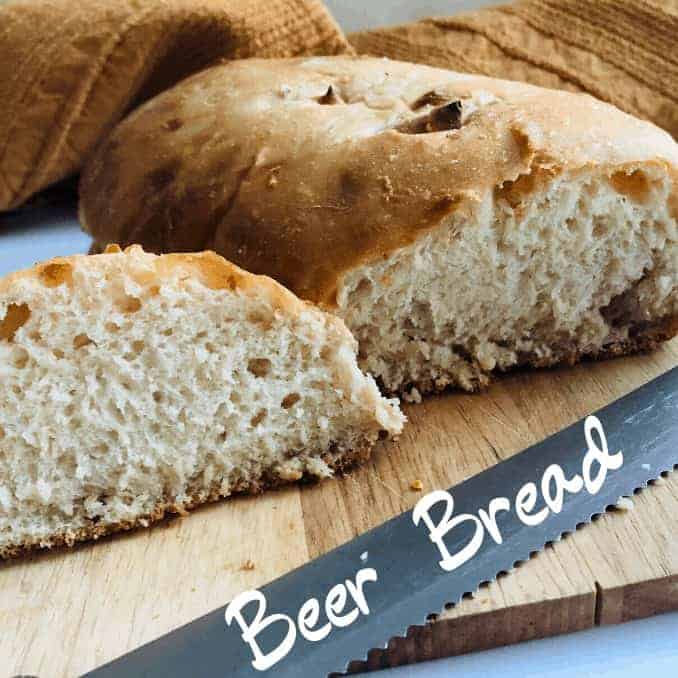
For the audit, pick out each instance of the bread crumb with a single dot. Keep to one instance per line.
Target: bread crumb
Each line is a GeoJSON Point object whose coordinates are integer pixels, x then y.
{"type": "Point", "coordinates": [248, 565]}
{"type": "Point", "coordinates": [363, 556]}
{"type": "Point", "coordinates": [291, 474]}
{"type": "Point", "coordinates": [624, 504]}
{"type": "Point", "coordinates": [412, 396]}
{"type": "Point", "coordinates": [417, 485]}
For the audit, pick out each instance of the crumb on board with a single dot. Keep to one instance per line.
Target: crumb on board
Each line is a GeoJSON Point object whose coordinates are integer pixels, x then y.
{"type": "Point", "coordinates": [417, 485]}
{"type": "Point", "coordinates": [624, 504]}
{"type": "Point", "coordinates": [412, 396]}
{"type": "Point", "coordinates": [248, 565]}
{"type": "Point", "coordinates": [363, 556]}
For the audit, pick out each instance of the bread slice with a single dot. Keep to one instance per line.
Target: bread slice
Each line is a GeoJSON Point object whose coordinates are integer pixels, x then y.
{"type": "Point", "coordinates": [133, 385]}
{"type": "Point", "coordinates": [460, 225]}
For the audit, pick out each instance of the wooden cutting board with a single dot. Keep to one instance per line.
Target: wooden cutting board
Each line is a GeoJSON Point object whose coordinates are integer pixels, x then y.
{"type": "Point", "coordinates": [64, 612]}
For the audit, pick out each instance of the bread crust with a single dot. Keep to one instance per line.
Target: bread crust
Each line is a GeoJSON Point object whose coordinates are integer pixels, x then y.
{"type": "Point", "coordinates": [256, 161]}
{"type": "Point", "coordinates": [210, 268]}
{"type": "Point", "coordinates": [339, 463]}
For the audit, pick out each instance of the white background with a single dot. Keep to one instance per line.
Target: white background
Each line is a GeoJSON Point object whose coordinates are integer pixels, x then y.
{"type": "Point", "coordinates": [647, 648]}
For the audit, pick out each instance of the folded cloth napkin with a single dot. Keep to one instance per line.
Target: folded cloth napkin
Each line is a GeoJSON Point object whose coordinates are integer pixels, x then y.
{"type": "Point", "coordinates": [622, 51]}
{"type": "Point", "coordinates": [70, 69]}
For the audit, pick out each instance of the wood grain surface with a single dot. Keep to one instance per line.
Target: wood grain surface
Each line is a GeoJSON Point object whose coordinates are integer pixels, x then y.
{"type": "Point", "coordinates": [65, 612]}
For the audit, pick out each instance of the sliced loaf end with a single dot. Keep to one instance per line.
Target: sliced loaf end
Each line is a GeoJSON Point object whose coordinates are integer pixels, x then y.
{"type": "Point", "coordinates": [551, 268]}
{"type": "Point", "coordinates": [134, 385]}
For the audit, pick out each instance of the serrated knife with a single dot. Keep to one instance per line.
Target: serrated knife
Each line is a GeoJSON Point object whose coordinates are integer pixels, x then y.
{"type": "Point", "coordinates": [410, 581]}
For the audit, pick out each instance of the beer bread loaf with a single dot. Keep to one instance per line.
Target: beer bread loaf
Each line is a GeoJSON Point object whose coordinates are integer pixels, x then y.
{"type": "Point", "coordinates": [460, 225]}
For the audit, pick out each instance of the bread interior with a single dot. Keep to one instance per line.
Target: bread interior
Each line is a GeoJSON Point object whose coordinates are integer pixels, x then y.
{"type": "Point", "coordinates": [124, 395]}
{"type": "Point", "coordinates": [545, 269]}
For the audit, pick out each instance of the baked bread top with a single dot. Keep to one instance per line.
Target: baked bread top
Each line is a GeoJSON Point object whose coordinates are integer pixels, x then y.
{"type": "Point", "coordinates": [208, 268]}
{"type": "Point", "coordinates": [305, 168]}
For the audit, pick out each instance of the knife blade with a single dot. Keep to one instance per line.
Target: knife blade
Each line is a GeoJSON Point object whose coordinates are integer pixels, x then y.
{"type": "Point", "coordinates": [411, 581]}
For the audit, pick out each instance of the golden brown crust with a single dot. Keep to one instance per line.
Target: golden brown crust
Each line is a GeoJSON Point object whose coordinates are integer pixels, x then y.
{"type": "Point", "coordinates": [338, 462]}
{"type": "Point", "coordinates": [69, 70]}
{"type": "Point", "coordinates": [256, 161]}
{"type": "Point", "coordinates": [208, 267]}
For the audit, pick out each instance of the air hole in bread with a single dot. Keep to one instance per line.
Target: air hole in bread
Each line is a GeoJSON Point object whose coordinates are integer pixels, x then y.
{"type": "Point", "coordinates": [430, 98]}
{"type": "Point", "coordinates": [111, 327]}
{"type": "Point", "coordinates": [129, 304]}
{"type": "Point", "coordinates": [258, 417]}
{"type": "Point", "coordinates": [330, 98]}
{"type": "Point", "coordinates": [58, 353]}
{"type": "Point", "coordinates": [364, 286]}
{"type": "Point", "coordinates": [20, 358]}
{"type": "Point", "coordinates": [634, 185]}
{"type": "Point", "coordinates": [264, 321]}
{"type": "Point", "coordinates": [601, 227]}
{"type": "Point", "coordinates": [81, 340]}
{"type": "Point", "coordinates": [259, 367]}
{"type": "Point", "coordinates": [289, 400]}
{"type": "Point", "coordinates": [17, 316]}
{"type": "Point", "coordinates": [157, 396]}
{"type": "Point", "coordinates": [53, 275]}
{"type": "Point", "coordinates": [522, 189]}
{"type": "Point", "coordinates": [441, 119]}
{"type": "Point", "coordinates": [138, 346]}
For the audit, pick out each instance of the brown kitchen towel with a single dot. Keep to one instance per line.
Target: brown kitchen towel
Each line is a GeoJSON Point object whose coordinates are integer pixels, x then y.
{"type": "Point", "coordinates": [69, 69]}
{"type": "Point", "coordinates": [621, 51]}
